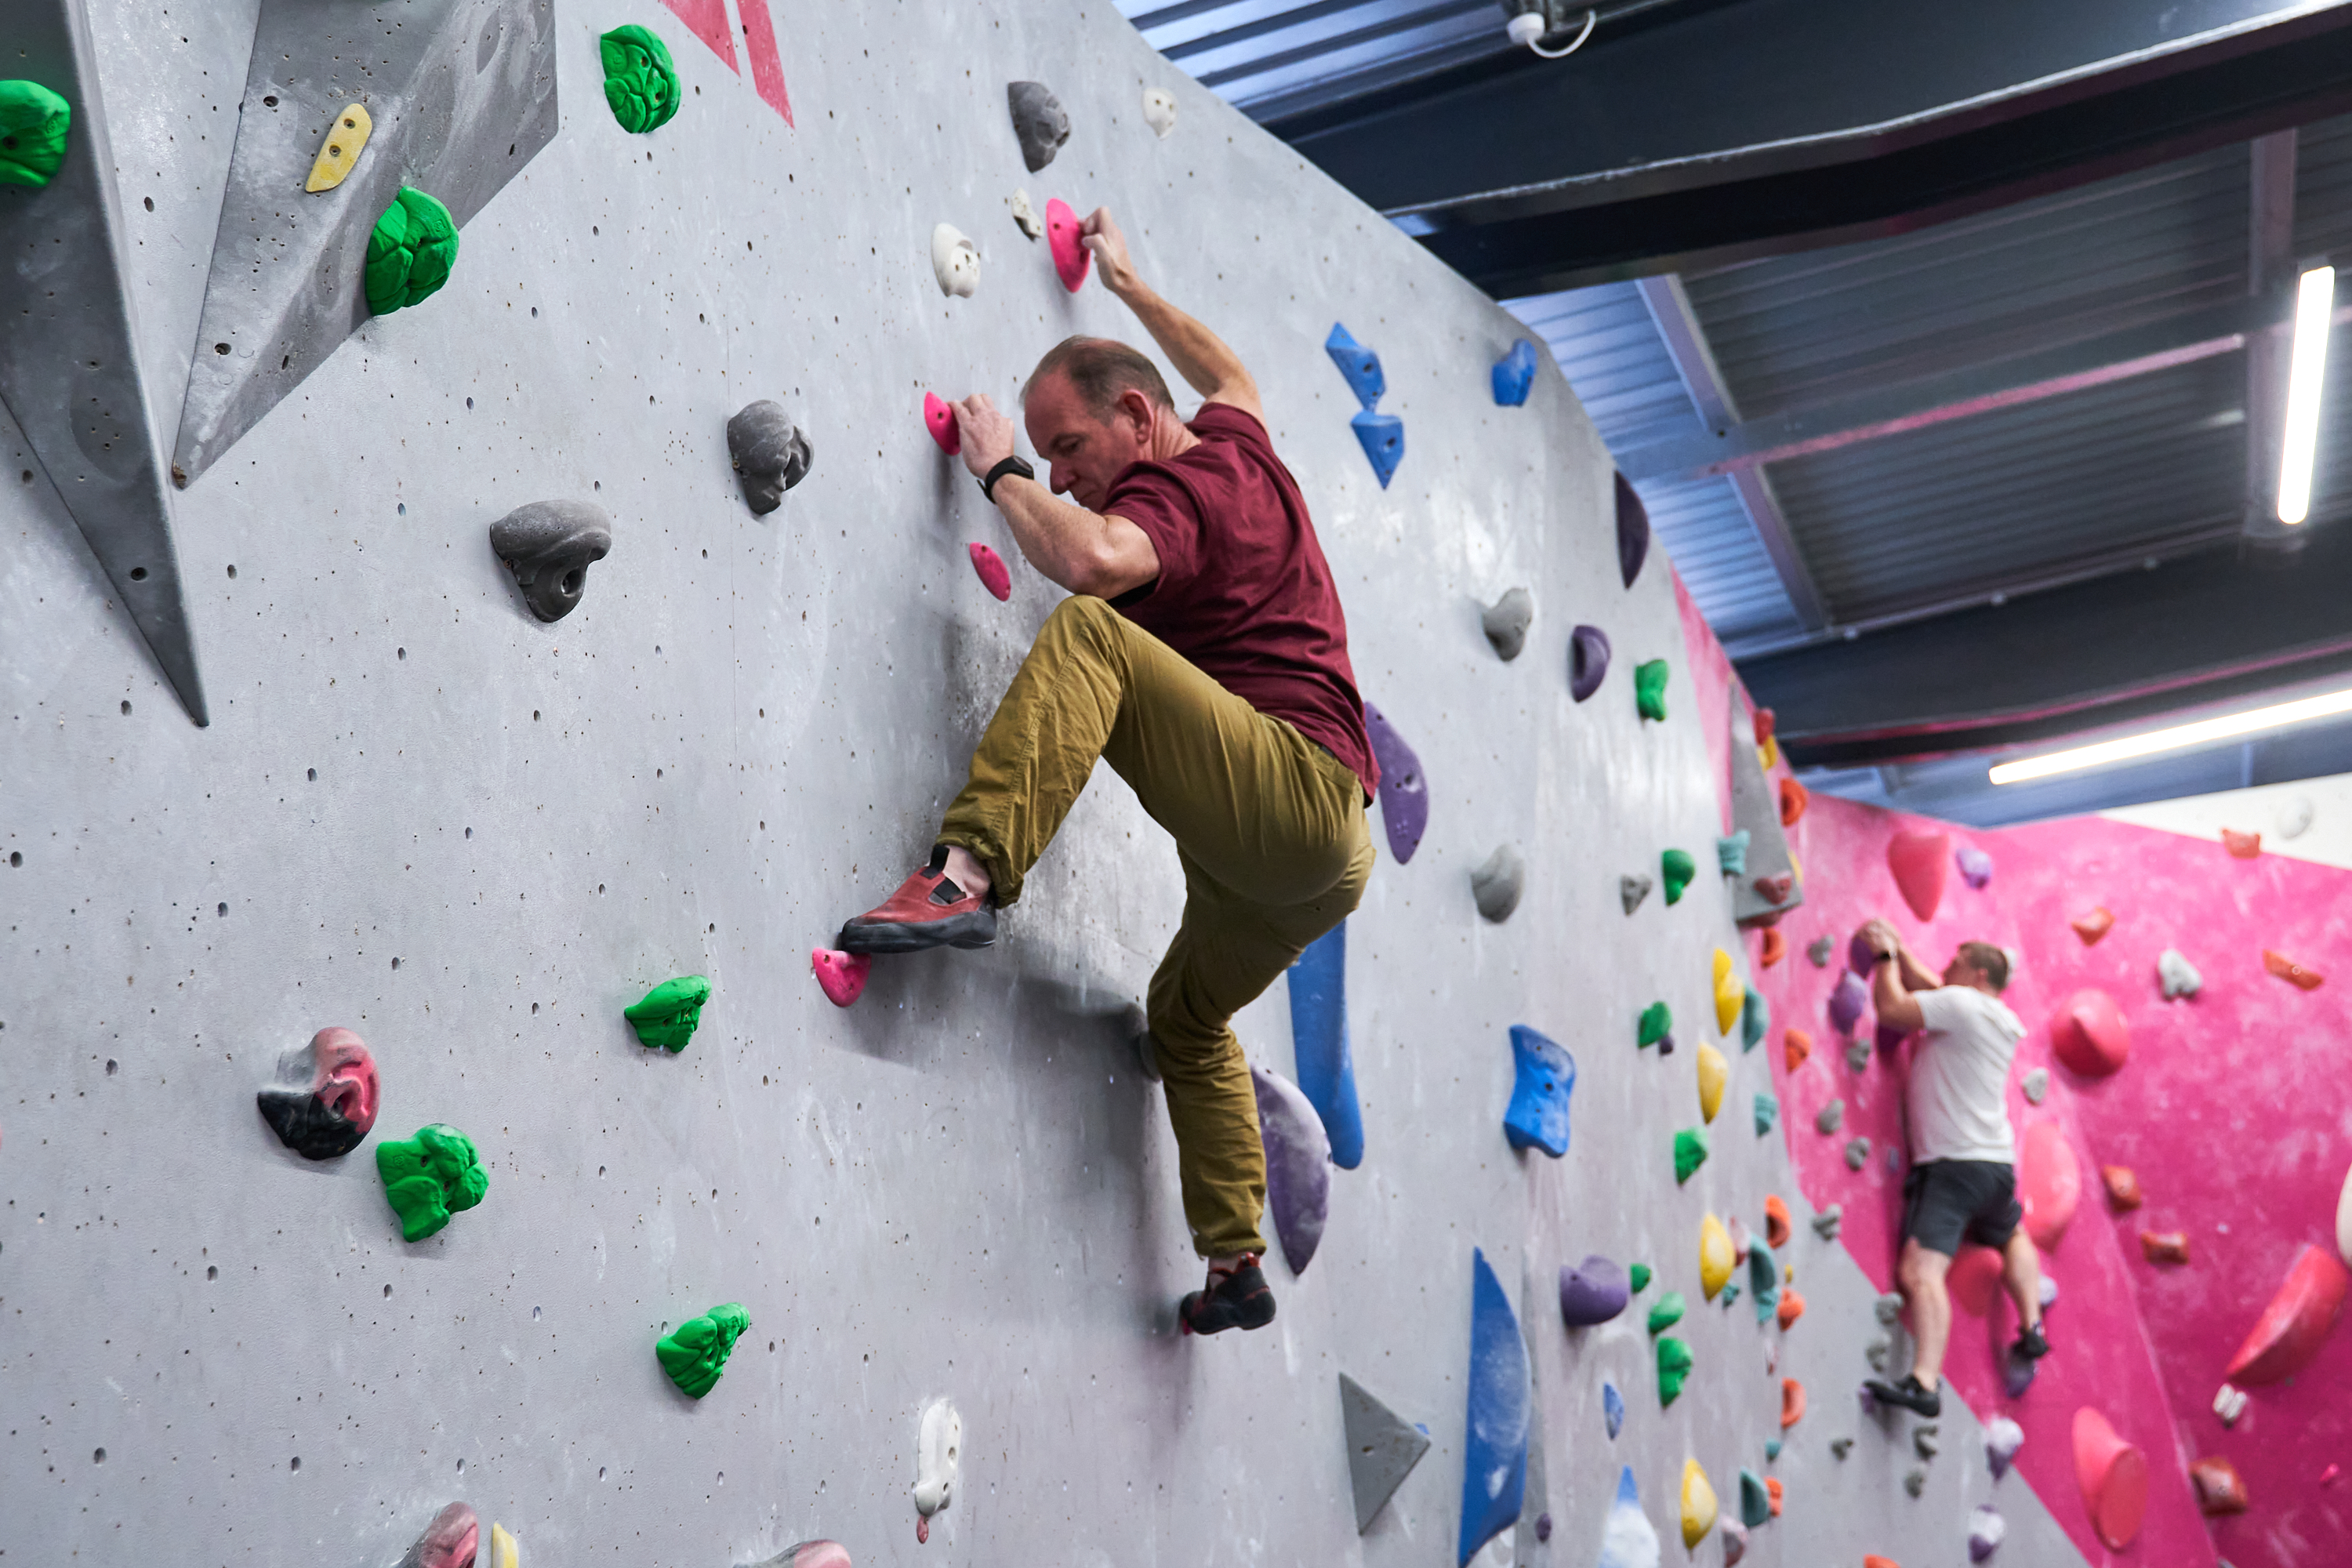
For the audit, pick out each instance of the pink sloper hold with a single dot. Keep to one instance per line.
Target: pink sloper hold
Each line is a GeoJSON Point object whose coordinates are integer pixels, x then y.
{"type": "Point", "coordinates": [2049, 1184]}
{"type": "Point", "coordinates": [2113, 1475]}
{"type": "Point", "coordinates": [2296, 1322]}
{"type": "Point", "coordinates": [1071, 258]}
{"type": "Point", "coordinates": [1974, 1280]}
{"type": "Point", "coordinates": [938, 418]}
{"type": "Point", "coordinates": [2089, 1033]}
{"type": "Point", "coordinates": [991, 567]}
{"type": "Point", "coordinates": [840, 975]}
{"type": "Point", "coordinates": [1920, 861]}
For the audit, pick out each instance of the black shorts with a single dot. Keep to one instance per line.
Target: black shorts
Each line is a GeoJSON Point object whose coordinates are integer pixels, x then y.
{"type": "Point", "coordinates": [1944, 1200]}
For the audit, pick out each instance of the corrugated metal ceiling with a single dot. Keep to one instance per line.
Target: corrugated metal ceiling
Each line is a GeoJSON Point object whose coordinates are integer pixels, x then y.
{"type": "Point", "coordinates": [1271, 57]}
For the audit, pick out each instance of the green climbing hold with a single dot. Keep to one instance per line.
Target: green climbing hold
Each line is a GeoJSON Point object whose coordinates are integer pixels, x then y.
{"type": "Point", "coordinates": [1690, 1152]}
{"type": "Point", "coordinates": [640, 82]}
{"type": "Point", "coordinates": [429, 1178]}
{"type": "Point", "coordinates": [1667, 1312]}
{"type": "Point", "coordinates": [1767, 1112]}
{"type": "Point", "coordinates": [1650, 689]}
{"type": "Point", "coordinates": [1638, 1277]}
{"type": "Point", "coordinates": [1677, 868]}
{"type": "Point", "coordinates": [1657, 1023]}
{"type": "Point", "coordinates": [697, 1353]}
{"type": "Point", "coordinates": [669, 1012]}
{"type": "Point", "coordinates": [33, 125]}
{"type": "Point", "coordinates": [410, 253]}
{"type": "Point", "coordinates": [1674, 1367]}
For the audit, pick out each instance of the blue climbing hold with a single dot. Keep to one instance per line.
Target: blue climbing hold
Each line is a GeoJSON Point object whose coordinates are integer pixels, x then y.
{"type": "Point", "coordinates": [1495, 1447]}
{"type": "Point", "coordinates": [1318, 1042]}
{"type": "Point", "coordinates": [1731, 853]}
{"type": "Point", "coordinates": [1382, 435]}
{"type": "Point", "coordinates": [1513, 373]}
{"type": "Point", "coordinates": [1359, 364]}
{"type": "Point", "coordinates": [1628, 1540]}
{"type": "Point", "coordinates": [1754, 1018]}
{"type": "Point", "coordinates": [1539, 1114]}
{"type": "Point", "coordinates": [1612, 1409]}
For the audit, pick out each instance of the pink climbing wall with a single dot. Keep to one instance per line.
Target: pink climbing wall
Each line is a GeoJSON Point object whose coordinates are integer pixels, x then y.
{"type": "Point", "coordinates": [2231, 1109]}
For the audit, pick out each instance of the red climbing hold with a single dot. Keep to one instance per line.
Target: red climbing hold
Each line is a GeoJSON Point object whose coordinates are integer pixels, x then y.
{"type": "Point", "coordinates": [1795, 1047]}
{"type": "Point", "coordinates": [2164, 1245]}
{"type": "Point", "coordinates": [1071, 258]}
{"type": "Point", "coordinates": [1974, 1280]}
{"type": "Point", "coordinates": [2287, 969]}
{"type": "Point", "coordinates": [2296, 1322]}
{"type": "Point", "coordinates": [1871, 1560]}
{"type": "Point", "coordinates": [1794, 798]}
{"type": "Point", "coordinates": [2244, 846]}
{"type": "Point", "coordinates": [1775, 948]}
{"type": "Point", "coordinates": [991, 567]}
{"type": "Point", "coordinates": [1766, 722]}
{"type": "Point", "coordinates": [1920, 861]}
{"type": "Point", "coordinates": [2093, 926]}
{"type": "Point", "coordinates": [2220, 1489]}
{"type": "Point", "coordinates": [2113, 1475]}
{"type": "Point", "coordinates": [2122, 1186]}
{"type": "Point", "coordinates": [1775, 1222]}
{"type": "Point", "coordinates": [1775, 890]}
{"type": "Point", "coordinates": [938, 418]}
{"type": "Point", "coordinates": [2049, 1184]}
{"type": "Point", "coordinates": [2089, 1033]}
{"type": "Point", "coordinates": [841, 975]}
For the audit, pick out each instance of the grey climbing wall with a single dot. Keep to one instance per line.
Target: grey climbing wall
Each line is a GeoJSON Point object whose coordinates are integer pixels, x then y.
{"type": "Point", "coordinates": [473, 838]}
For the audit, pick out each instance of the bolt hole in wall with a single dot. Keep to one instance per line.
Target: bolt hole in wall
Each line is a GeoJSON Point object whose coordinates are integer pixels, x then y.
{"type": "Point", "coordinates": [139, 574]}
{"type": "Point", "coordinates": [232, 571]}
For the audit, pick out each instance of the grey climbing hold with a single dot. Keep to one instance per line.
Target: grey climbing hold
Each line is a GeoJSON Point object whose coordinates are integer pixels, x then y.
{"type": "Point", "coordinates": [1857, 1056]}
{"type": "Point", "coordinates": [1382, 1448]}
{"type": "Point", "coordinates": [1916, 1482]}
{"type": "Point", "coordinates": [2177, 975]}
{"type": "Point", "coordinates": [2037, 1086]}
{"type": "Point", "coordinates": [549, 545]}
{"type": "Point", "coordinates": [1040, 123]}
{"type": "Point", "coordinates": [1888, 1309]}
{"type": "Point", "coordinates": [1876, 1352]}
{"type": "Point", "coordinates": [1841, 1446]}
{"type": "Point", "coordinates": [1818, 950]}
{"type": "Point", "coordinates": [1829, 1118]}
{"type": "Point", "coordinates": [1826, 1222]}
{"type": "Point", "coordinates": [1987, 1530]}
{"type": "Point", "coordinates": [1495, 885]}
{"type": "Point", "coordinates": [1588, 661]}
{"type": "Point", "coordinates": [770, 453]}
{"type": "Point", "coordinates": [1506, 622]}
{"type": "Point", "coordinates": [1631, 891]}
{"type": "Point", "coordinates": [1857, 1153]}
{"type": "Point", "coordinates": [1924, 1439]}
{"type": "Point", "coordinates": [1731, 853]}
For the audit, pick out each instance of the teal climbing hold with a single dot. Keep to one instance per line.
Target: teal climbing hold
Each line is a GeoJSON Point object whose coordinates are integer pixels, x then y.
{"type": "Point", "coordinates": [409, 252]}
{"type": "Point", "coordinates": [1771, 1447]}
{"type": "Point", "coordinates": [1690, 1152]}
{"type": "Point", "coordinates": [1667, 1312]}
{"type": "Point", "coordinates": [1674, 1367]}
{"type": "Point", "coordinates": [640, 81]}
{"type": "Point", "coordinates": [1754, 1018]}
{"type": "Point", "coordinates": [1767, 1112]}
{"type": "Point", "coordinates": [34, 124]}
{"type": "Point", "coordinates": [1359, 364]}
{"type": "Point", "coordinates": [1731, 853]}
{"type": "Point", "coordinates": [1676, 868]}
{"type": "Point", "coordinates": [1763, 1281]}
{"type": "Point", "coordinates": [429, 1178]}
{"type": "Point", "coordinates": [1755, 1499]}
{"type": "Point", "coordinates": [1495, 1456]}
{"type": "Point", "coordinates": [1730, 1294]}
{"type": "Point", "coordinates": [1650, 689]}
{"type": "Point", "coordinates": [697, 1353]}
{"type": "Point", "coordinates": [1637, 1276]}
{"type": "Point", "coordinates": [1657, 1024]}
{"type": "Point", "coordinates": [1382, 438]}
{"type": "Point", "coordinates": [667, 1015]}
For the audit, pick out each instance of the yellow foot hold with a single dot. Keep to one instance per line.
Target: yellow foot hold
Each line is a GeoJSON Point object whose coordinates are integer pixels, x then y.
{"type": "Point", "coordinates": [339, 153]}
{"type": "Point", "coordinates": [504, 1551]}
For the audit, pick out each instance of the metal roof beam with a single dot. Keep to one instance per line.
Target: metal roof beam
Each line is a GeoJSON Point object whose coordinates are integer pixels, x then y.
{"type": "Point", "coordinates": [2270, 266]}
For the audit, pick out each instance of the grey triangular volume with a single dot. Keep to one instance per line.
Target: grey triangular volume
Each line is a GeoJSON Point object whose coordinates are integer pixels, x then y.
{"type": "Point", "coordinates": [69, 371]}
{"type": "Point", "coordinates": [461, 93]}
{"type": "Point", "coordinates": [1755, 806]}
{"type": "Point", "coordinates": [1382, 1448]}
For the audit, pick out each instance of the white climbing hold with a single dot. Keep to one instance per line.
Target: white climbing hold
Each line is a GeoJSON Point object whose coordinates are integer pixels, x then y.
{"type": "Point", "coordinates": [2177, 975]}
{"type": "Point", "coordinates": [2037, 1086]}
{"type": "Point", "coordinates": [1739, 1238]}
{"type": "Point", "coordinates": [2049, 1291]}
{"type": "Point", "coordinates": [2343, 1220]}
{"type": "Point", "coordinates": [2229, 1404]}
{"type": "Point", "coordinates": [955, 261]}
{"type": "Point", "coordinates": [1159, 110]}
{"type": "Point", "coordinates": [2294, 818]}
{"type": "Point", "coordinates": [939, 1460]}
{"type": "Point", "coordinates": [1735, 1542]}
{"type": "Point", "coordinates": [1987, 1530]}
{"type": "Point", "coordinates": [2003, 1438]}
{"type": "Point", "coordinates": [1024, 217]}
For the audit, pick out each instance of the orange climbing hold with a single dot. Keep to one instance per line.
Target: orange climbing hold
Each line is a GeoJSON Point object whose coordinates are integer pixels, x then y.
{"type": "Point", "coordinates": [1776, 1221]}
{"type": "Point", "coordinates": [1775, 948]}
{"type": "Point", "coordinates": [2122, 1186]}
{"type": "Point", "coordinates": [2296, 1322]}
{"type": "Point", "coordinates": [1795, 1047]}
{"type": "Point", "coordinates": [2089, 1033]}
{"type": "Point", "coordinates": [2093, 926]}
{"type": "Point", "coordinates": [2113, 1474]}
{"type": "Point", "coordinates": [1794, 798]}
{"type": "Point", "coordinates": [2287, 969]}
{"type": "Point", "coordinates": [1920, 862]}
{"type": "Point", "coordinates": [1871, 1560]}
{"type": "Point", "coordinates": [1791, 1307]}
{"type": "Point", "coordinates": [2220, 1489]}
{"type": "Point", "coordinates": [1793, 1404]}
{"type": "Point", "coordinates": [2164, 1245]}
{"type": "Point", "coordinates": [1772, 1490]}
{"type": "Point", "coordinates": [2244, 846]}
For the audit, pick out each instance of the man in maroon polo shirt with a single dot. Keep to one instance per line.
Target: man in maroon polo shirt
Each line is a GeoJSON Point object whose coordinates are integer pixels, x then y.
{"type": "Point", "coordinates": [1203, 653]}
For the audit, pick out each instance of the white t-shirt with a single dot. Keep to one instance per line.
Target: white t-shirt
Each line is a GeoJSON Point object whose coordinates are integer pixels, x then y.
{"type": "Point", "coordinates": [1958, 1094]}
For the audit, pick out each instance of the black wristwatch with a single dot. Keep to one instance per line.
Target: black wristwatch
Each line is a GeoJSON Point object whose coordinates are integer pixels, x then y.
{"type": "Point", "coordinates": [1881, 958]}
{"type": "Point", "coordinates": [1009, 466]}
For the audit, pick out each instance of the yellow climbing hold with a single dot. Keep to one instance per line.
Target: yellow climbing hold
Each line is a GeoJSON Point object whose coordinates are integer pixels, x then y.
{"type": "Point", "coordinates": [1770, 752]}
{"type": "Point", "coordinates": [1698, 1505]}
{"type": "Point", "coordinates": [339, 153]}
{"type": "Point", "coordinates": [504, 1551]}
{"type": "Point", "coordinates": [1729, 994]}
{"type": "Point", "coordinates": [1715, 1258]}
{"type": "Point", "coordinates": [1712, 1072]}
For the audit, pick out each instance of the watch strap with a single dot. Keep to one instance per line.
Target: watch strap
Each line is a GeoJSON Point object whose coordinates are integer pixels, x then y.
{"type": "Point", "coordinates": [1009, 466]}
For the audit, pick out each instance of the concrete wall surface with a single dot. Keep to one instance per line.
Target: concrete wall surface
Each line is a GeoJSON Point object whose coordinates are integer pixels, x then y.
{"type": "Point", "coordinates": [474, 838]}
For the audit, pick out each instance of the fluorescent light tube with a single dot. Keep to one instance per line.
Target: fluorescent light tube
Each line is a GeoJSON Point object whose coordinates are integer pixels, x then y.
{"type": "Point", "coordinates": [2315, 312]}
{"type": "Point", "coordinates": [2178, 737]}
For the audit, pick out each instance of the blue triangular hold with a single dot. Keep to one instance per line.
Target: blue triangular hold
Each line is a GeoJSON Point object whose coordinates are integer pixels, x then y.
{"type": "Point", "coordinates": [1628, 1539]}
{"type": "Point", "coordinates": [1319, 1041]}
{"type": "Point", "coordinates": [1359, 364]}
{"type": "Point", "coordinates": [1537, 1118]}
{"type": "Point", "coordinates": [1612, 1409]}
{"type": "Point", "coordinates": [1513, 373]}
{"type": "Point", "coordinates": [1495, 1447]}
{"type": "Point", "coordinates": [1383, 438]}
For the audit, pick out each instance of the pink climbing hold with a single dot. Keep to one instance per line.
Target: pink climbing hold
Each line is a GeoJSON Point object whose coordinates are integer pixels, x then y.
{"type": "Point", "coordinates": [841, 975]}
{"type": "Point", "coordinates": [1920, 862]}
{"type": "Point", "coordinates": [1974, 1280]}
{"type": "Point", "coordinates": [2049, 1184]}
{"type": "Point", "coordinates": [2113, 1474]}
{"type": "Point", "coordinates": [2089, 1033]}
{"type": "Point", "coordinates": [1071, 258]}
{"type": "Point", "coordinates": [938, 418]}
{"type": "Point", "coordinates": [2296, 1322]}
{"type": "Point", "coordinates": [991, 567]}
{"type": "Point", "coordinates": [811, 1554]}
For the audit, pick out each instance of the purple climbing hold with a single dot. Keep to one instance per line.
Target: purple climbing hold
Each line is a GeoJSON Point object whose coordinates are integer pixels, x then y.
{"type": "Point", "coordinates": [1846, 1004]}
{"type": "Point", "coordinates": [1588, 661]}
{"type": "Point", "coordinates": [1987, 1530]}
{"type": "Point", "coordinates": [1404, 793]}
{"type": "Point", "coordinates": [1633, 530]}
{"type": "Point", "coordinates": [1593, 1291]}
{"type": "Point", "coordinates": [1298, 1165]}
{"type": "Point", "coordinates": [1976, 866]}
{"type": "Point", "coordinates": [2016, 1373]}
{"type": "Point", "coordinates": [1860, 956]}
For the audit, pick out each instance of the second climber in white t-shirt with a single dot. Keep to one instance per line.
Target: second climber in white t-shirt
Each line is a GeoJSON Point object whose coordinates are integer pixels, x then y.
{"type": "Point", "coordinates": [1963, 1177]}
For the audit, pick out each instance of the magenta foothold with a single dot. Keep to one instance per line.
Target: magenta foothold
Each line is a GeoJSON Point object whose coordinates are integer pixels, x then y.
{"type": "Point", "coordinates": [1071, 258]}
{"type": "Point", "coordinates": [841, 975]}
{"type": "Point", "coordinates": [451, 1540]}
{"type": "Point", "coordinates": [324, 1100]}
{"type": "Point", "coordinates": [991, 567]}
{"type": "Point", "coordinates": [938, 418]}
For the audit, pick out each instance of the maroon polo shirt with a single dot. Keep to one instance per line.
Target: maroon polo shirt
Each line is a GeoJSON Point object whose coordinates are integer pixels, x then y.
{"type": "Point", "coordinates": [1244, 591]}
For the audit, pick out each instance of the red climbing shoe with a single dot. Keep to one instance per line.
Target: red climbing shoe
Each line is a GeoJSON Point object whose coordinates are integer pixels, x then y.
{"type": "Point", "coordinates": [927, 911]}
{"type": "Point", "coordinates": [1237, 1298]}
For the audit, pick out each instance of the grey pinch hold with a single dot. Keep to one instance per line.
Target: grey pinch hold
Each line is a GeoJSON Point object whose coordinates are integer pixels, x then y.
{"type": "Point", "coordinates": [549, 545]}
{"type": "Point", "coordinates": [1841, 1446]}
{"type": "Point", "coordinates": [1857, 1153]}
{"type": "Point", "coordinates": [1040, 123]}
{"type": "Point", "coordinates": [769, 452]}
{"type": "Point", "coordinates": [2036, 1085]}
{"type": "Point", "coordinates": [1889, 1309]}
{"type": "Point", "coordinates": [1829, 1118]}
{"type": "Point", "coordinates": [1857, 1056]}
{"type": "Point", "coordinates": [1818, 950]}
{"type": "Point", "coordinates": [1826, 1222]}
{"type": "Point", "coordinates": [1506, 622]}
{"type": "Point", "coordinates": [1382, 1448]}
{"type": "Point", "coordinates": [1496, 884]}
{"type": "Point", "coordinates": [1923, 1440]}
{"type": "Point", "coordinates": [1916, 1482]}
{"type": "Point", "coordinates": [1876, 1352]}
{"type": "Point", "coordinates": [1631, 891]}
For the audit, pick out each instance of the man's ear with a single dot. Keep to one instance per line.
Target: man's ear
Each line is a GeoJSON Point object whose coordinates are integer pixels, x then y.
{"type": "Point", "coordinates": [1139, 411]}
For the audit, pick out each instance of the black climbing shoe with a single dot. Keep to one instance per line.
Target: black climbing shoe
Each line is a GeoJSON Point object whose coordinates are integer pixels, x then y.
{"type": "Point", "coordinates": [927, 911]}
{"type": "Point", "coordinates": [1237, 1298]}
{"type": "Point", "coordinates": [1908, 1394]}
{"type": "Point", "coordinates": [2030, 1344]}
